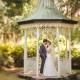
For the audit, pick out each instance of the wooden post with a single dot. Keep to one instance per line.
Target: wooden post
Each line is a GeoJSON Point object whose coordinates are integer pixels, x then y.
{"type": "Point", "coordinates": [25, 51]}
{"type": "Point", "coordinates": [37, 57]}
{"type": "Point", "coordinates": [58, 52]}
{"type": "Point", "coordinates": [70, 51]}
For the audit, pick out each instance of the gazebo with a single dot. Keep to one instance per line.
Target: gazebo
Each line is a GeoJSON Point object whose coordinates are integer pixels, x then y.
{"type": "Point", "coordinates": [47, 18]}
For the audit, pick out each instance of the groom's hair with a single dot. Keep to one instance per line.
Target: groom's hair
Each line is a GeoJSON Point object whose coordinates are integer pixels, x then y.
{"type": "Point", "coordinates": [45, 40]}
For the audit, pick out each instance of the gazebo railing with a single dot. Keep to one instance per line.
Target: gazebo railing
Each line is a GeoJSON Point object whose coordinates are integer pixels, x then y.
{"type": "Point", "coordinates": [64, 65]}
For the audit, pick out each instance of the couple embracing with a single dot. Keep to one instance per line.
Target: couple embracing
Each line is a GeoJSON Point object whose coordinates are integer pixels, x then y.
{"type": "Point", "coordinates": [47, 64]}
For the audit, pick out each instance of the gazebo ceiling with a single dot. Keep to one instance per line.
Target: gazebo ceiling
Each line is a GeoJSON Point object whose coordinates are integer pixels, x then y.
{"type": "Point", "coordinates": [47, 11]}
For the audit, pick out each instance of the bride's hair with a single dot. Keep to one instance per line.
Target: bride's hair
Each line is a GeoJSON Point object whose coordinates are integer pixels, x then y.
{"type": "Point", "coordinates": [49, 42]}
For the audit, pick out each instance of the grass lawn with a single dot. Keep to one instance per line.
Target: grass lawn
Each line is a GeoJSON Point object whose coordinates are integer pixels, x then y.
{"type": "Point", "coordinates": [75, 71]}
{"type": "Point", "coordinates": [9, 75]}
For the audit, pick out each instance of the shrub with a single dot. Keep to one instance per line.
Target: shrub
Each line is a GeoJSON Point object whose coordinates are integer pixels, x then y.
{"type": "Point", "coordinates": [5, 59]}
{"type": "Point", "coordinates": [1, 60]}
{"type": "Point", "coordinates": [76, 63]}
{"type": "Point", "coordinates": [17, 55]}
{"type": "Point", "coordinates": [75, 58]}
{"type": "Point", "coordinates": [10, 56]}
{"type": "Point", "coordinates": [31, 50]}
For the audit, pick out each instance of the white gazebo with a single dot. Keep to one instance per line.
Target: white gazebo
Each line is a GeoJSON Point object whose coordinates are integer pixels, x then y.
{"type": "Point", "coordinates": [47, 18]}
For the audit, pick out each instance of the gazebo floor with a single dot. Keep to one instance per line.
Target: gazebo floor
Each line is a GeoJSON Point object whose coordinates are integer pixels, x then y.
{"type": "Point", "coordinates": [33, 77]}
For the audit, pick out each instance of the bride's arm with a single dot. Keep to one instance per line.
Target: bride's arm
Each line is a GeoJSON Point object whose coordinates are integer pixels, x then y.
{"type": "Point", "coordinates": [49, 50]}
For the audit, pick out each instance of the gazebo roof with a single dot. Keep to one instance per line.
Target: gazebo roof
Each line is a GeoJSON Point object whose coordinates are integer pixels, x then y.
{"type": "Point", "coordinates": [47, 11]}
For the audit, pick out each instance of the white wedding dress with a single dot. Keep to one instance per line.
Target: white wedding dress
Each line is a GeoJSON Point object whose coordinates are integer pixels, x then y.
{"type": "Point", "coordinates": [49, 68]}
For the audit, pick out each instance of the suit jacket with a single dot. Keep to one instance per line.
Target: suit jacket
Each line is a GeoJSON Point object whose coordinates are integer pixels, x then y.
{"type": "Point", "coordinates": [42, 51]}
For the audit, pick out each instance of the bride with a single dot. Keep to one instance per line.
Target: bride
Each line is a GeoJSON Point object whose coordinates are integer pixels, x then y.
{"type": "Point", "coordinates": [49, 68]}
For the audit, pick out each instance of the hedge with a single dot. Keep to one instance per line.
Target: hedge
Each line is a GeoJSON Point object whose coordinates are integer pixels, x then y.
{"type": "Point", "coordinates": [13, 56]}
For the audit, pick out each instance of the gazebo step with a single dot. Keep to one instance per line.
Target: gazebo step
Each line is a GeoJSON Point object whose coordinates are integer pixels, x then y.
{"type": "Point", "coordinates": [75, 76]}
{"type": "Point", "coordinates": [47, 78]}
{"type": "Point", "coordinates": [33, 77]}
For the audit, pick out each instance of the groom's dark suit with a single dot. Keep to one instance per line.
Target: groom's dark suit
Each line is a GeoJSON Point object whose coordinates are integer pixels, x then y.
{"type": "Point", "coordinates": [43, 55]}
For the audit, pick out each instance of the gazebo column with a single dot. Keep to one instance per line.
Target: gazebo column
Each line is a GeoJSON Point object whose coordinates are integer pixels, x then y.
{"type": "Point", "coordinates": [70, 64]}
{"type": "Point", "coordinates": [66, 45]}
{"type": "Point", "coordinates": [25, 51]}
{"type": "Point", "coordinates": [37, 53]}
{"type": "Point", "coordinates": [58, 52]}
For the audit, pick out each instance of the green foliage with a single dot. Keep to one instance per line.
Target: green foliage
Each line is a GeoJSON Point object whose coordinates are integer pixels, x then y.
{"type": "Point", "coordinates": [13, 11]}
{"type": "Point", "coordinates": [75, 58]}
{"type": "Point", "coordinates": [75, 53]}
{"type": "Point", "coordinates": [1, 60]}
{"type": "Point", "coordinates": [17, 54]}
{"type": "Point", "coordinates": [32, 50]}
{"type": "Point", "coordinates": [29, 8]}
{"type": "Point", "coordinates": [75, 34]}
{"type": "Point", "coordinates": [10, 75]}
{"type": "Point", "coordinates": [15, 7]}
{"type": "Point", "coordinates": [76, 63]}
{"type": "Point", "coordinates": [13, 56]}
{"type": "Point", "coordinates": [72, 6]}
{"type": "Point", "coordinates": [5, 58]}
{"type": "Point", "coordinates": [62, 55]}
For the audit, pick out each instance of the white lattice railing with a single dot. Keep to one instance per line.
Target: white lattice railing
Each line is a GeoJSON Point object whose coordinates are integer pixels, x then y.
{"type": "Point", "coordinates": [64, 65]}
{"type": "Point", "coordinates": [31, 65]}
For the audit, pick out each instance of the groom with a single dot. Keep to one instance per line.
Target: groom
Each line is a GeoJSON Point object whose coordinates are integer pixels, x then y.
{"type": "Point", "coordinates": [43, 54]}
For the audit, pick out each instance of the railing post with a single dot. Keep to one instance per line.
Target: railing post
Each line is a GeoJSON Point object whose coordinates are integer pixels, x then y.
{"type": "Point", "coordinates": [59, 75]}
{"type": "Point", "coordinates": [37, 54]}
{"type": "Point", "coordinates": [25, 51]}
{"type": "Point", "coordinates": [70, 51]}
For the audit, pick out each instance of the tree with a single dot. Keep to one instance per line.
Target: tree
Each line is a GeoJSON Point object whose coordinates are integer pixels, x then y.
{"type": "Point", "coordinates": [13, 11]}
{"type": "Point", "coordinates": [71, 8]}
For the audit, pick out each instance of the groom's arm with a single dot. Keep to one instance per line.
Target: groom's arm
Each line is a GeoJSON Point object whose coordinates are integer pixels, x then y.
{"type": "Point", "coordinates": [41, 51]}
